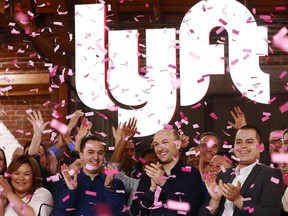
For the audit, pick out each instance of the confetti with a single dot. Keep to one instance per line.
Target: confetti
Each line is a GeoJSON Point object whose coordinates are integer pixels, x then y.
{"type": "Point", "coordinates": [90, 193]}
{"type": "Point", "coordinates": [178, 206]}
{"type": "Point", "coordinates": [59, 126]}
{"type": "Point", "coordinates": [65, 198]}
{"type": "Point", "coordinates": [214, 116]}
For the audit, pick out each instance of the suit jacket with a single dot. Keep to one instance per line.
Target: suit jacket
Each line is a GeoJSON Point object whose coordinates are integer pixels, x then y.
{"type": "Point", "coordinates": [265, 195]}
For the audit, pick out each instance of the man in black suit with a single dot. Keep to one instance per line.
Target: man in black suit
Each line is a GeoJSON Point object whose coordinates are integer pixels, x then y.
{"type": "Point", "coordinates": [251, 188]}
{"type": "Point", "coordinates": [169, 188]}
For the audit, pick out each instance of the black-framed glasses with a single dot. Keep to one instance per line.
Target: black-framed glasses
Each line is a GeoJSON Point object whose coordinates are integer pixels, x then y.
{"type": "Point", "coordinates": [276, 141]}
{"type": "Point", "coordinates": [285, 142]}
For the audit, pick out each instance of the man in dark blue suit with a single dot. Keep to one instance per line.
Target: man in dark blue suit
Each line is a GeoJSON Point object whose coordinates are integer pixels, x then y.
{"type": "Point", "coordinates": [251, 188]}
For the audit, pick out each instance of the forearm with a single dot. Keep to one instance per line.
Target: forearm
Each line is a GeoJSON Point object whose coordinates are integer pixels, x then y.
{"type": "Point", "coordinates": [214, 205]}
{"type": "Point", "coordinates": [19, 205]}
{"type": "Point", "coordinates": [118, 152]}
{"type": "Point", "coordinates": [35, 144]}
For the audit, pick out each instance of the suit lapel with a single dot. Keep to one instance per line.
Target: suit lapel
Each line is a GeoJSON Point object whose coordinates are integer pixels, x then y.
{"type": "Point", "coordinates": [248, 182]}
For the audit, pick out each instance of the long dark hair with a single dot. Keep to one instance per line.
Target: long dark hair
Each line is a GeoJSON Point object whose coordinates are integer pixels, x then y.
{"type": "Point", "coordinates": [5, 162]}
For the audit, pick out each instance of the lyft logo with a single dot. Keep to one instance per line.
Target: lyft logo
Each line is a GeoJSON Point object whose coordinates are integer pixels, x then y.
{"type": "Point", "coordinates": [107, 71]}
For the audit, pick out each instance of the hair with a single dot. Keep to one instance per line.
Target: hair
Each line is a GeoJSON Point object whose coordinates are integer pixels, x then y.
{"type": "Point", "coordinates": [5, 162]}
{"type": "Point", "coordinates": [27, 144]}
{"type": "Point", "coordinates": [138, 167]}
{"type": "Point", "coordinates": [36, 174]}
{"type": "Point", "coordinates": [73, 155]}
{"type": "Point", "coordinates": [277, 128]}
{"type": "Point", "coordinates": [86, 139]}
{"type": "Point", "coordinates": [285, 131]}
{"type": "Point", "coordinates": [258, 133]}
{"type": "Point", "coordinates": [209, 133]}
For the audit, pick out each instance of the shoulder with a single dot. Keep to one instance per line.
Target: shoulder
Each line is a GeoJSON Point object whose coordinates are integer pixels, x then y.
{"type": "Point", "coordinates": [267, 170]}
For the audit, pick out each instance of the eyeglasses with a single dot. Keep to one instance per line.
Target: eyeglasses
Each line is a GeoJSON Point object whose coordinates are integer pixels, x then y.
{"type": "Point", "coordinates": [276, 141]}
{"type": "Point", "coordinates": [285, 142]}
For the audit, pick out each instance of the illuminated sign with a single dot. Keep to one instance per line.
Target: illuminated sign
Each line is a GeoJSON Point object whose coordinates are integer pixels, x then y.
{"type": "Point", "coordinates": [106, 70]}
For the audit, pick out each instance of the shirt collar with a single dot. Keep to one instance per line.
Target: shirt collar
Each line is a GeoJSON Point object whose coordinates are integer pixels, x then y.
{"type": "Point", "coordinates": [82, 175]}
{"type": "Point", "coordinates": [246, 170]}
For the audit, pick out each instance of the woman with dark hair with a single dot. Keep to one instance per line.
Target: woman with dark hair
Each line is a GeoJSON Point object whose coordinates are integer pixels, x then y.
{"type": "Point", "coordinates": [21, 191]}
{"type": "Point", "coordinates": [3, 162]}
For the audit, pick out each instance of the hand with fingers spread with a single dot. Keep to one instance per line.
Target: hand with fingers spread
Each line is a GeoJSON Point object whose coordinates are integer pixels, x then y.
{"type": "Point", "coordinates": [213, 189]}
{"type": "Point", "coordinates": [5, 187]}
{"type": "Point", "coordinates": [37, 122]}
{"type": "Point", "coordinates": [129, 130]}
{"type": "Point", "coordinates": [184, 140]}
{"type": "Point", "coordinates": [231, 192]}
{"type": "Point", "coordinates": [117, 133]}
{"type": "Point", "coordinates": [110, 172]}
{"type": "Point", "coordinates": [71, 181]}
{"type": "Point", "coordinates": [239, 118]}
{"type": "Point", "coordinates": [157, 175]}
{"type": "Point", "coordinates": [280, 40]}
{"type": "Point", "coordinates": [73, 121]}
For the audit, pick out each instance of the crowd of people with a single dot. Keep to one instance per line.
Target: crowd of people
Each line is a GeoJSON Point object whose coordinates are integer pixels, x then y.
{"type": "Point", "coordinates": [73, 177]}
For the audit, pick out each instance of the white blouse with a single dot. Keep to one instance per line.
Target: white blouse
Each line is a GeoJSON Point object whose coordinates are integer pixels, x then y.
{"type": "Point", "coordinates": [40, 196]}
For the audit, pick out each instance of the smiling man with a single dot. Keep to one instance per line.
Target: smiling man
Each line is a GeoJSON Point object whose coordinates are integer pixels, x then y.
{"type": "Point", "coordinates": [251, 188]}
{"type": "Point", "coordinates": [168, 187]}
{"type": "Point", "coordinates": [91, 192]}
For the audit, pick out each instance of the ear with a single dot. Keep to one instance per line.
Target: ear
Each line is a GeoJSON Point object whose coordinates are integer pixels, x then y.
{"type": "Point", "coordinates": [178, 144]}
{"type": "Point", "coordinates": [261, 147]}
{"type": "Point", "coordinates": [81, 155]}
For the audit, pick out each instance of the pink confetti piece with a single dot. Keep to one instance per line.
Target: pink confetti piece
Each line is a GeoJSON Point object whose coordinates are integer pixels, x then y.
{"type": "Point", "coordinates": [168, 127]}
{"type": "Point", "coordinates": [46, 103]}
{"type": "Point", "coordinates": [235, 158]}
{"type": "Point", "coordinates": [186, 169]}
{"type": "Point", "coordinates": [89, 167]}
{"type": "Point", "coordinates": [7, 175]}
{"type": "Point", "coordinates": [247, 199]}
{"type": "Point", "coordinates": [265, 118]}
{"type": "Point", "coordinates": [133, 157]}
{"type": "Point", "coordinates": [282, 75]}
{"type": "Point", "coordinates": [178, 206]}
{"type": "Point", "coordinates": [235, 32]}
{"type": "Point", "coordinates": [272, 100]}
{"type": "Point", "coordinates": [284, 107]}
{"type": "Point", "coordinates": [142, 160]}
{"type": "Point", "coordinates": [279, 158]}
{"type": "Point", "coordinates": [11, 204]}
{"type": "Point", "coordinates": [70, 116]}
{"type": "Point", "coordinates": [280, 8]}
{"type": "Point", "coordinates": [214, 116]}
{"type": "Point", "coordinates": [196, 106]}
{"type": "Point", "coordinates": [103, 116]}
{"type": "Point", "coordinates": [59, 126]}
{"type": "Point", "coordinates": [19, 131]}
{"type": "Point", "coordinates": [89, 114]}
{"type": "Point", "coordinates": [113, 108]}
{"type": "Point", "coordinates": [65, 198]}
{"type": "Point", "coordinates": [172, 66]}
{"type": "Point", "coordinates": [219, 30]}
{"type": "Point", "coordinates": [228, 159]}
{"type": "Point", "coordinates": [147, 5]}
{"type": "Point", "coordinates": [222, 21]}
{"type": "Point", "coordinates": [260, 147]}
{"type": "Point", "coordinates": [90, 193]}
{"type": "Point", "coordinates": [111, 172]}
{"type": "Point", "coordinates": [70, 209]}
{"type": "Point", "coordinates": [111, 148]}
{"type": "Point", "coordinates": [234, 62]}
{"type": "Point", "coordinates": [209, 208]}
{"type": "Point", "coordinates": [223, 169]}
{"type": "Point", "coordinates": [254, 11]}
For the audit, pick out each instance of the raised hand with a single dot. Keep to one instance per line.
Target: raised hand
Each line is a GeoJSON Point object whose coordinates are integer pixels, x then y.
{"type": "Point", "coordinates": [73, 121]}
{"type": "Point", "coordinates": [230, 191]}
{"type": "Point", "coordinates": [280, 40]}
{"type": "Point", "coordinates": [184, 140]}
{"type": "Point", "coordinates": [213, 188]}
{"type": "Point", "coordinates": [37, 122]}
{"type": "Point", "coordinates": [110, 171]}
{"type": "Point", "coordinates": [71, 181]}
{"type": "Point", "coordinates": [5, 187]}
{"type": "Point", "coordinates": [156, 173]}
{"type": "Point", "coordinates": [53, 163]}
{"type": "Point", "coordinates": [129, 130]}
{"type": "Point", "coordinates": [239, 118]}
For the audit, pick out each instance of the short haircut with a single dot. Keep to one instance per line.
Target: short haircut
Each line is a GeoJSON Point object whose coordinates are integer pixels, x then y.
{"type": "Point", "coordinates": [258, 133]}
{"type": "Point", "coordinates": [86, 139]}
{"type": "Point", "coordinates": [277, 128]}
{"type": "Point", "coordinates": [30, 161]}
{"type": "Point", "coordinates": [209, 133]}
